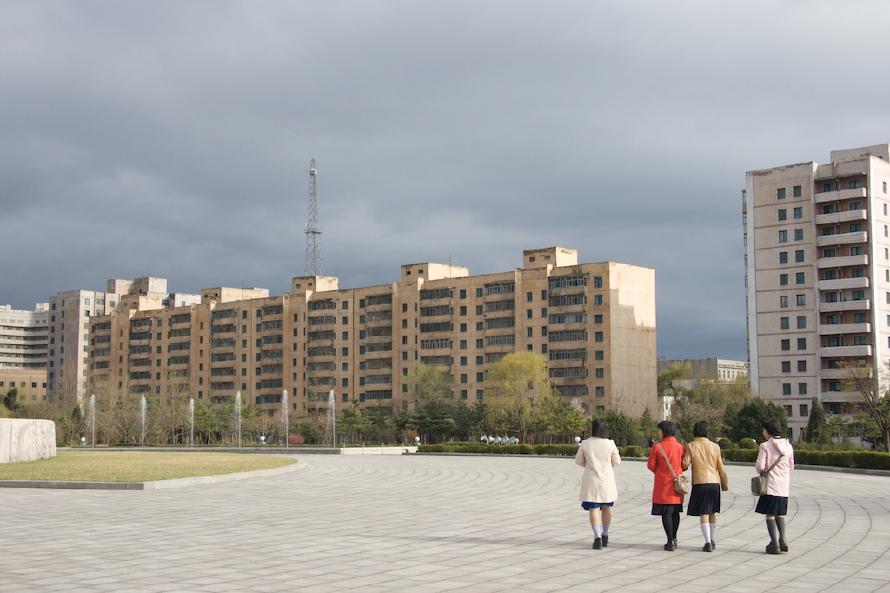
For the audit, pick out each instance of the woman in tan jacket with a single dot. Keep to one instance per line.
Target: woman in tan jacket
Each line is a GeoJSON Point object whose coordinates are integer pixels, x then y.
{"type": "Point", "coordinates": [708, 479]}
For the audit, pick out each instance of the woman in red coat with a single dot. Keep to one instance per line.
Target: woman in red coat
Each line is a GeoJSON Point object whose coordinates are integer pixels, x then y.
{"type": "Point", "coordinates": [665, 500]}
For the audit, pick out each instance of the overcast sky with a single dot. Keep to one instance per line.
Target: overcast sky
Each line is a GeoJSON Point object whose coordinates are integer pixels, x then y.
{"type": "Point", "coordinates": [172, 138]}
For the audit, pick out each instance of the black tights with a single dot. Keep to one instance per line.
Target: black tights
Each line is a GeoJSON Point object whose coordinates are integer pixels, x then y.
{"type": "Point", "coordinates": [671, 523]}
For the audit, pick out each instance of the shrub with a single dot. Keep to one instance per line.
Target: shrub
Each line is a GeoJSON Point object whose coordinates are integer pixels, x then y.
{"type": "Point", "coordinates": [296, 439]}
{"type": "Point", "coordinates": [632, 451]}
{"type": "Point", "coordinates": [748, 443]}
{"type": "Point", "coordinates": [743, 455]}
{"type": "Point", "coordinates": [725, 443]}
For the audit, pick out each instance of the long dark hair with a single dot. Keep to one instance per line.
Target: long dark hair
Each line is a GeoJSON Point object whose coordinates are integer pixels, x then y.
{"type": "Point", "coordinates": [599, 428]}
{"type": "Point", "coordinates": [773, 427]}
{"type": "Point", "coordinates": [700, 429]}
{"type": "Point", "coordinates": [667, 428]}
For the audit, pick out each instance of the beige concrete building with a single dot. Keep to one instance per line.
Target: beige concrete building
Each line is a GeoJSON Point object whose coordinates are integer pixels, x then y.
{"type": "Point", "coordinates": [595, 323]}
{"type": "Point", "coordinates": [69, 324]}
{"type": "Point", "coordinates": [24, 338]}
{"type": "Point", "coordinates": [818, 277]}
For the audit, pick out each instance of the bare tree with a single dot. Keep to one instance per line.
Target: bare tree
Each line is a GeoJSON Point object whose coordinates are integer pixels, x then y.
{"type": "Point", "coordinates": [875, 398]}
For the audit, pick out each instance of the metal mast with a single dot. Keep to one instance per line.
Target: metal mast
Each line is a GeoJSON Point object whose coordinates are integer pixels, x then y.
{"type": "Point", "coordinates": [313, 230]}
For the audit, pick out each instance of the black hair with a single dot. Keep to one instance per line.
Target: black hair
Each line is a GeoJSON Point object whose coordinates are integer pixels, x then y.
{"type": "Point", "coordinates": [773, 427]}
{"type": "Point", "coordinates": [599, 428]}
{"type": "Point", "coordinates": [667, 428]}
{"type": "Point", "coordinates": [700, 429]}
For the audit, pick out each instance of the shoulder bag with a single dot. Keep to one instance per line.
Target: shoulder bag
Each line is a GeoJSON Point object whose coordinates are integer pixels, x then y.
{"type": "Point", "coordinates": [681, 482]}
{"type": "Point", "coordinates": [758, 483]}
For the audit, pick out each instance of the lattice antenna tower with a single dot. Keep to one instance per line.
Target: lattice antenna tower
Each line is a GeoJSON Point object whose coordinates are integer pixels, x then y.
{"type": "Point", "coordinates": [313, 230]}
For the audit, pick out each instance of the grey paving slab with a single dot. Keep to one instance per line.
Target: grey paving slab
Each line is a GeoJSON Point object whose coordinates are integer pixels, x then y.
{"type": "Point", "coordinates": [422, 523]}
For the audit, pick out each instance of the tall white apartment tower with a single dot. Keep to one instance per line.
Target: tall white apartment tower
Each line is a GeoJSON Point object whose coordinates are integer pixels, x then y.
{"type": "Point", "coordinates": [818, 270]}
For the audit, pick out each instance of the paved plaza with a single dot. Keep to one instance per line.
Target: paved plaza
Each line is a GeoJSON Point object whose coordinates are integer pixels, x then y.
{"type": "Point", "coordinates": [429, 524]}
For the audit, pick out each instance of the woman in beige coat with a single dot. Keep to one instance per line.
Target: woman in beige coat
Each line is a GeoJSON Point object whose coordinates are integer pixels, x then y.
{"type": "Point", "coordinates": [708, 479]}
{"type": "Point", "coordinates": [598, 455]}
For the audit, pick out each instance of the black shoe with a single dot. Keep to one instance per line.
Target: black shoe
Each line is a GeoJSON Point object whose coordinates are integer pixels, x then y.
{"type": "Point", "coordinates": [676, 545]}
{"type": "Point", "coordinates": [669, 547]}
{"type": "Point", "coordinates": [597, 544]}
{"type": "Point", "coordinates": [606, 541]}
{"type": "Point", "coordinates": [783, 546]}
{"type": "Point", "coordinates": [713, 545]}
{"type": "Point", "coordinates": [773, 548]}
{"type": "Point", "coordinates": [707, 548]}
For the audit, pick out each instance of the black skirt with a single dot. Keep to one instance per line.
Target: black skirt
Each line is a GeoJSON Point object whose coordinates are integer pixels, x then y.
{"type": "Point", "coordinates": [704, 500]}
{"type": "Point", "coordinates": [666, 509]}
{"type": "Point", "coordinates": [772, 505]}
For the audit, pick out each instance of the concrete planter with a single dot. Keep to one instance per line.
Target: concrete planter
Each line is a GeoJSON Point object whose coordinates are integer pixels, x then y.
{"type": "Point", "coordinates": [26, 440]}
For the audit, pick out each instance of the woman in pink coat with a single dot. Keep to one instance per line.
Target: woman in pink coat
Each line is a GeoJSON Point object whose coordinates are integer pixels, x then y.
{"type": "Point", "coordinates": [776, 460]}
{"type": "Point", "coordinates": [665, 500]}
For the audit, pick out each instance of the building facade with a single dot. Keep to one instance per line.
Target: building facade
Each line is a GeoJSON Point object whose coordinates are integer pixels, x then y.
{"type": "Point", "coordinates": [69, 325]}
{"type": "Point", "coordinates": [24, 340]}
{"type": "Point", "coordinates": [595, 324]}
{"type": "Point", "coordinates": [818, 278]}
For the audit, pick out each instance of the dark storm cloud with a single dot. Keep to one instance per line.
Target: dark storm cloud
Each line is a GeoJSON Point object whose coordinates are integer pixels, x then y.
{"type": "Point", "coordinates": [171, 138]}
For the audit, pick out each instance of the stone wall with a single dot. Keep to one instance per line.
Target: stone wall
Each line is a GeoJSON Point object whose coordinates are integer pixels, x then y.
{"type": "Point", "coordinates": [26, 440]}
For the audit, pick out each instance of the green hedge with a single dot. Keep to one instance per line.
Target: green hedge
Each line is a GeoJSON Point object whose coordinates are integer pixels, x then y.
{"type": "Point", "coordinates": [563, 450]}
{"type": "Point", "coordinates": [852, 459]}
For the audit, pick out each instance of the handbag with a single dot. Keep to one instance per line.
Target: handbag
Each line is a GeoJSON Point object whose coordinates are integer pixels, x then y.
{"type": "Point", "coordinates": [758, 483]}
{"type": "Point", "coordinates": [681, 482]}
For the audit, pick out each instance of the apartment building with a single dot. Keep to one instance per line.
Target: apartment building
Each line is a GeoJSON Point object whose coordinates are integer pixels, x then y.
{"type": "Point", "coordinates": [24, 339]}
{"type": "Point", "coordinates": [595, 323]}
{"type": "Point", "coordinates": [69, 324]}
{"type": "Point", "coordinates": [818, 278]}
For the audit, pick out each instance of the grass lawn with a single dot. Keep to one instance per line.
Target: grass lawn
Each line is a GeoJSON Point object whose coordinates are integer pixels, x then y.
{"type": "Point", "coordinates": [137, 466]}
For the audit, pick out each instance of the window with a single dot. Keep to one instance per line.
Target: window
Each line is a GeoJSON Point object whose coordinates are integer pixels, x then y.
{"type": "Point", "coordinates": [829, 252]}
{"type": "Point", "coordinates": [798, 234]}
{"type": "Point", "coordinates": [463, 295]}
{"type": "Point", "coordinates": [798, 256]}
{"type": "Point", "coordinates": [528, 313]}
{"type": "Point", "coordinates": [786, 366]}
{"type": "Point", "coordinates": [783, 323]}
{"type": "Point", "coordinates": [796, 191]}
{"type": "Point", "coordinates": [801, 322]}
{"type": "Point", "coordinates": [804, 408]}
{"type": "Point", "coordinates": [780, 193]}
{"type": "Point", "coordinates": [799, 277]}
{"type": "Point", "coordinates": [783, 257]}
{"type": "Point", "coordinates": [783, 236]}
{"type": "Point", "coordinates": [801, 366]}
{"type": "Point", "coordinates": [855, 227]}
{"type": "Point", "coordinates": [827, 187]}
{"type": "Point", "coordinates": [597, 281]}
{"type": "Point", "coordinates": [786, 345]}
{"type": "Point", "coordinates": [597, 299]}
{"type": "Point", "coordinates": [856, 250]}
{"type": "Point", "coordinates": [786, 388]}
{"type": "Point", "coordinates": [798, 213]}
{"type": "Point", "coordinates": [801, 343]}
{"type": "Point", "coordinates": [801, 300]}
{"type": "Point", "coordinates": [783, 214]}
{"type": "Point", "coordinates": [529, 297]}
{"type": "Point", "coordinates": [783, 302]}
{"type": "Point", "coordinates": [463, 361]}
{"type": "Point", "coordinates": [853, 184]}
{"type": "Point", "coordinates": [783, 279]}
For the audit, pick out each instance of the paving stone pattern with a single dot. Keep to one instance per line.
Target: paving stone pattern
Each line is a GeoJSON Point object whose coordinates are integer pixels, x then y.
{"type": "Point", "coordinates": [420, 523]}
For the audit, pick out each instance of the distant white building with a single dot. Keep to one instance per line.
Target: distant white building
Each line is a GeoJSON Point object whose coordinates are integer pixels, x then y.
{"type": "Point", "coordinates": [721, 370]}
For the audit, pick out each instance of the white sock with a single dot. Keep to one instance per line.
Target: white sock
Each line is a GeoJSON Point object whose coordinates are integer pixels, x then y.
{"type": "Point", "coordinates": [706, 531]}
{"type": "Point", "coordinates": [714, 532]}
{"type": "Point", "coordinates": [597, 531]}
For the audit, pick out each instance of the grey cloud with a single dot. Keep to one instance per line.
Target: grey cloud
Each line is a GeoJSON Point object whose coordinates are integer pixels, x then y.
{"type": "Point", "coordinates": [172, 138]}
